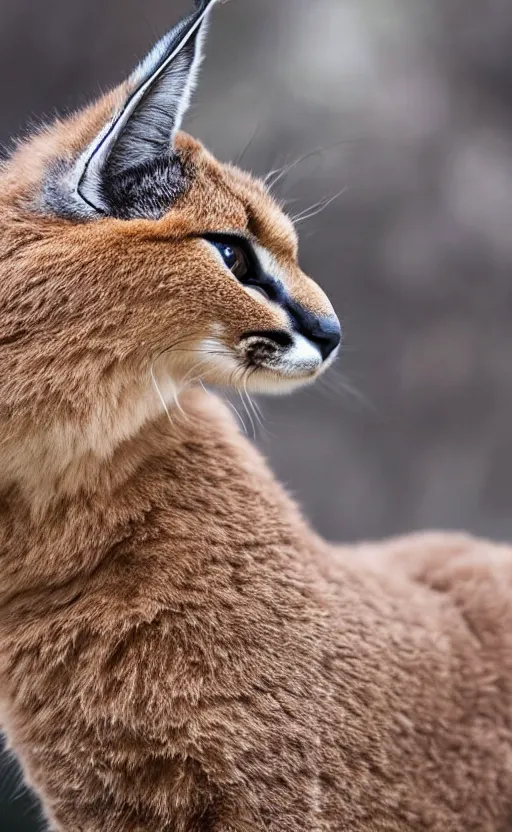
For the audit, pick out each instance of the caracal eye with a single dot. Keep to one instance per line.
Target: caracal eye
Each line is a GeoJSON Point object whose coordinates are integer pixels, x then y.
{"type": "Point", "coordinates": [234, 258]}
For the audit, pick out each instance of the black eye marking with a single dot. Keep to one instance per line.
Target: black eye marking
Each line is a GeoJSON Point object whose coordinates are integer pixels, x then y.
{"type": "Point", "coordinates": [240, 258]}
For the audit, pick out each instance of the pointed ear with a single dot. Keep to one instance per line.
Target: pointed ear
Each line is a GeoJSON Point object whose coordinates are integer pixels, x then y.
{"type": "Point", "coordinates": [142, 133]}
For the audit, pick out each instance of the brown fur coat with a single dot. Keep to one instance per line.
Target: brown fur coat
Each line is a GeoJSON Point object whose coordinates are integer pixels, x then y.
{"type": "Point", "coordinates": [178, 651]}
{"type": "Point", "coordinates": [195, 659]}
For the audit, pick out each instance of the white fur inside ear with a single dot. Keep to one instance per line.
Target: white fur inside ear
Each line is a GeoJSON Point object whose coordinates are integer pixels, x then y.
{"type": "Point", "coordinates": [183, 76]}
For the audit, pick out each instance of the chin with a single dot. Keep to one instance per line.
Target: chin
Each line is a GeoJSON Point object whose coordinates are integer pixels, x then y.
{"type": "Point", "coordinates": [261, 382]}
{"type": "Point", "coordinates": [274, 383]}
{"type": "Point", "coordinates": [229, 372]}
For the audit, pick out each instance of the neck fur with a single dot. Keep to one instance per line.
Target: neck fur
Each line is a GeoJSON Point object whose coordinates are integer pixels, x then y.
{"type": "Point", "coordinates": [85, 452]}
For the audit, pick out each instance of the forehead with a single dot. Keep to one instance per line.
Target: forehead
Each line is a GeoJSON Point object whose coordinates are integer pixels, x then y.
{"type": "Point", "coordinates": [223, 198]}
{"type": "Point", "coordinates": [266, 220]}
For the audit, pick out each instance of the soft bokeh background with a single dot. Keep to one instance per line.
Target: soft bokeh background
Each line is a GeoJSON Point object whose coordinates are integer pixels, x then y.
{"type": "Point", "coordinates": [405, 106]}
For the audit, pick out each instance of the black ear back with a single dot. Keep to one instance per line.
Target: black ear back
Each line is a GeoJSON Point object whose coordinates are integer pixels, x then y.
{"type": "Point", "coordinates": [137, 144]}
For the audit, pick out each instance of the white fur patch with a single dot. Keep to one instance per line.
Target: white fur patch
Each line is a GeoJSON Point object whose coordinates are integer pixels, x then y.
{"type": "Point", "coordinates": [302, 357]}
{"type": "Point", "coordinates": [269, 263]}
{"type": "Point", "coordinates": [216, 362]}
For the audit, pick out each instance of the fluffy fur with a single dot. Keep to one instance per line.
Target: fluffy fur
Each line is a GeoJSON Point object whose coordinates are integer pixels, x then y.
{"type": "Point", "coordinates": [179, 652]}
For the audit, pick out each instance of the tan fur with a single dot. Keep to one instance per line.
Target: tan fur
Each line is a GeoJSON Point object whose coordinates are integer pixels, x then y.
{"type": "Point", "coordinates": [178, 650]}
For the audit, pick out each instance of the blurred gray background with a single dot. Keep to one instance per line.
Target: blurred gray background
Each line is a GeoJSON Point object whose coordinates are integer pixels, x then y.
{"type": "Point", "coordinates": [405, 107]}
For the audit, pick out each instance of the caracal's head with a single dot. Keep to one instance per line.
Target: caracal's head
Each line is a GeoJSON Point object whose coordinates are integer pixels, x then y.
{"type": "Point", "coordinates": [129, 255]}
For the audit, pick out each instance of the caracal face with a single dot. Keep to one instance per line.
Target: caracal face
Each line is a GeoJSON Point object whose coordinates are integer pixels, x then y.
{"type": "Point", "coordinates": [128, 253]}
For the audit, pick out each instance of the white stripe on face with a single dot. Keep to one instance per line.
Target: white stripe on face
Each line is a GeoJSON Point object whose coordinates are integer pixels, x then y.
{"type": "Point", "coordinates": [269, 264]}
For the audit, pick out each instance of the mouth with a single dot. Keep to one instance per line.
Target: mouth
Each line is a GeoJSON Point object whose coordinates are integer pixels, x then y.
{"type": "Point", "coordinates": [288, 355]}
{"type": "Point", "coordinates": [280, 361]}
{"type": "Point", "coordinates": [266, 362]}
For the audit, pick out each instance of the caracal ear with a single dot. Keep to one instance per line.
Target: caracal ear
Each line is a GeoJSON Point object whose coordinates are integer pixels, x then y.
{"type": "Point", "coordinates": [142, 132]}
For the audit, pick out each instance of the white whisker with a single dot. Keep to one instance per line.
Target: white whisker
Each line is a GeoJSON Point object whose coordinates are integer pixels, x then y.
{"type": "Point", "coordinates": [275, 176]}
{"type": "Point", "coordinates": [229, 404]}
{"type": "Point", "coordinates": [250, 402]}
{"type": "Point", "coordinates": [255, 410]}
{"type": "Point", "coordinates": [160, 395]}
{"type": "Point", "coordinates": [316, 209]}
{"type": "Point", "coordinates": [251, 420]}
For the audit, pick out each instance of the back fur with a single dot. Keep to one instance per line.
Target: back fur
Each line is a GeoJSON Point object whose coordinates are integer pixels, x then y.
{"type": "Point", "coordinates": [178, 650]}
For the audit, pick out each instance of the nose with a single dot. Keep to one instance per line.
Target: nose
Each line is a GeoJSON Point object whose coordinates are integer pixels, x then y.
{"type": "Point", "coordinates": [323, 331]}
{"type": "Point", "coordinates": [326, 334]}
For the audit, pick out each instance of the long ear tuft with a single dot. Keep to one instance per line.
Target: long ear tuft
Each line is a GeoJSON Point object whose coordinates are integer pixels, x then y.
{"type": "Point", "coordinates": [141, 134]}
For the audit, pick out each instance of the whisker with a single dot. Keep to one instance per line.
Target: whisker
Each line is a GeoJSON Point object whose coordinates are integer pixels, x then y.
{"type": "Point", "coordinates": [286, 169]}
{"type": "Point", "coordinates": [229, 404]}
{"type": "Point", "coordinates": [336, 383]}
{"type": "Point", "coordinates": [239, 417]}
{"type": "Point", "coordinates": [236, 380]}
{"type": "Point", "coordinates": [258, 409]}
{"type": "Point", "coordinates": [187, 380]}
{"type": "Point", "coordinates": [204, 352]}
{"type": "Point", "coordinates": [275, 176]}
{"type": "Point", "coordinates": [267, 179]}
{"type": "Point", "coordinates": [251, 420]}
{"type": "Point", "coordinates": [255, 418]}
{"type": "Point", "coordinates": [316, 209]}
{"type": "Point", "coordinates": [160, 395]}
{"type": "Point", "coordinates": [247, 147]}
{"type": "Point", "coordinates": [175, 345]}
{"type": "Point", "coordinates": [257, 413]}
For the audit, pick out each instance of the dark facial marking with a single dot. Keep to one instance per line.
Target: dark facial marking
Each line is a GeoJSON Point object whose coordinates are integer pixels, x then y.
{"type": "Point", "coordinates": [265, 346]}
{"type": "Point", "coordinates": [325, 332]}
{"type": "Point", "coordinates": [252, 275]}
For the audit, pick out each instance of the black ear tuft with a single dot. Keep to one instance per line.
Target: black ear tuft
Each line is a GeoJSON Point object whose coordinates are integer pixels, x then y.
{"type": "Point", "coordinates": [140, 136]}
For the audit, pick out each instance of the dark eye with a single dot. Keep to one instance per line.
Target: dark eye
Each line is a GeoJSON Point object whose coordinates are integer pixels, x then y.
{"type": "Point", "coordinates": [234, 258]}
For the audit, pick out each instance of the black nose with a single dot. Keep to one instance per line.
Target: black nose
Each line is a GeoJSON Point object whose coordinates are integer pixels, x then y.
{"type": "Point", "coordinates": [324, 332]}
